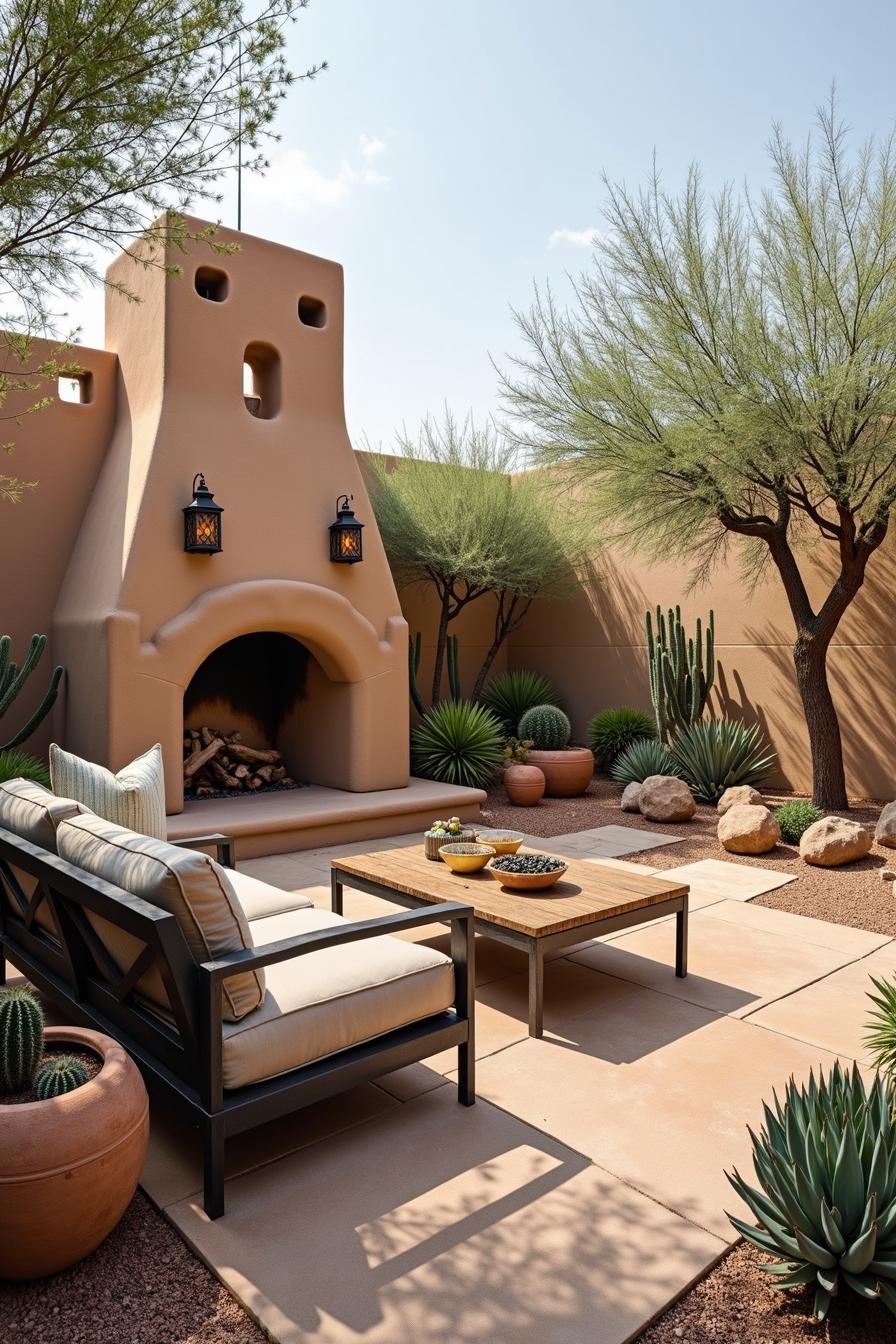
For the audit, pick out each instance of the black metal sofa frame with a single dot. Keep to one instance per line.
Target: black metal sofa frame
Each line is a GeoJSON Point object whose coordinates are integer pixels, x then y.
{"type": "Point", "coordinates": [184, 1057]}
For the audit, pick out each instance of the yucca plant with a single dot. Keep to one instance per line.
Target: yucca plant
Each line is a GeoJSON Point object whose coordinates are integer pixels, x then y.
{"type": "Point", "coordinates": [612, 730]}
{"type": "Point", "coordinates": [15, 764]}
{"type": "Point", "coordinates": [509, 695]}
{"type": "Point", "coordinates": [643, 757]}
{"type": "Point", "coordinates": [880, 1032]}
{"type": "Point", "coordinates": [717, 754]}
{"type": "Point", "coordinates": [826, 1165]}
{"type": "Point", "coordinates": [458, 742]}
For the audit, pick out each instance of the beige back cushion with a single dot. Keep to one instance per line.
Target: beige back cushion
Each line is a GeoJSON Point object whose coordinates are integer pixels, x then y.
{"type": "Point", "coordinates": [31, 812]}
{"type": "Point", "coordinates": [186, 883]}
{"type": "Point", "coordinates": [134, 798]}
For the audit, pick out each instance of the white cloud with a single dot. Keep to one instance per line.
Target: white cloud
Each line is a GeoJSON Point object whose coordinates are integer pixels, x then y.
{"type": "Point", "coordinates": [574, 237]}
{"type": "Point", "coordinates": [295, 182]}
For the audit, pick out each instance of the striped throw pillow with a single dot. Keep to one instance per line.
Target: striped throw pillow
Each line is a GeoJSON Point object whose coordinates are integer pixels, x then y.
{"type": "Point", "coordinates": [134, 798]}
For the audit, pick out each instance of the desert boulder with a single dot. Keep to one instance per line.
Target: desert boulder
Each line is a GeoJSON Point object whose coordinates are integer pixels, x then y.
{"type": "Point", "coordinates": [748, 828]}
{"type": "Point", "coordinates": [834, 840]}
{"type": "Point", "coordinates": [665, 798]}
{"type": "Point", "coordinates": [741, 795]}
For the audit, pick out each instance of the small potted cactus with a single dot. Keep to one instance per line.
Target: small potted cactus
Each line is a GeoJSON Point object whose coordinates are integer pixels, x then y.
{"type": "Point", "coordinates": [523, 782]}
{"type": "Point", "coordinates": [567, 770]}
{"type": "Point", "coordinates": [74, 1124]}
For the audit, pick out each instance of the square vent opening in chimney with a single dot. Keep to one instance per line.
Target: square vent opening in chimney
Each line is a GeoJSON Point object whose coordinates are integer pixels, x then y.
{"type": "Point", "coordinates": [212, 284]}
{"type": "Point", "coordinates": [312, 312]}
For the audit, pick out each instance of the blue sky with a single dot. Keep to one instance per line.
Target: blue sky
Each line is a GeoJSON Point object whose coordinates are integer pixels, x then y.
{"type": "Point", "coordinates": [451, 156]}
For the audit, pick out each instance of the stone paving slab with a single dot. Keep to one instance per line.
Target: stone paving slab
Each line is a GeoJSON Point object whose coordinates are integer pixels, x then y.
{"type": "Point", "coordinates": [729, 881]}
{"type": "Point", "coordinates": [446, 1225]}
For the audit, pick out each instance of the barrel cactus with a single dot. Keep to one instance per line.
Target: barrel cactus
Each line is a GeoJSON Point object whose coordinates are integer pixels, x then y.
{"type": "Point", "coordinates": [826, 1165]}
{"type": "Point", "coordinates": [21, 1038]}
{"type": "Point", "coordinates": [62, 1073]}
{"type": "Point", "coordinates": [546, 726]}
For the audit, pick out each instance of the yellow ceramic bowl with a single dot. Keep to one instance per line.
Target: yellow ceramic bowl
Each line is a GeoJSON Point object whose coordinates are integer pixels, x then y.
{"type": "Point", "coordinates": [502, 842]}
{"type": "Point", "coordinates": [466, 858]}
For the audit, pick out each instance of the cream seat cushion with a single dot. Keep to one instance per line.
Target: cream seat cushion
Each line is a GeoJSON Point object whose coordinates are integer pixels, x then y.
{"type": "Point", "coordinates": [326, 1001]}
{"type": "Point", "coordinates": [32, 813]}
{"type": "Point", "coordinates": [259, 899]}
{"type": "Point", "coordinates": [185, 882]}
{"type": "Point", "coordinates": [134, 798]}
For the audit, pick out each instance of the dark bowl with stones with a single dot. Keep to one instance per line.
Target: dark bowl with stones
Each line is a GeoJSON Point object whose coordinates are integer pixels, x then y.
{"type": "Point", "coordinates": [526, 872]}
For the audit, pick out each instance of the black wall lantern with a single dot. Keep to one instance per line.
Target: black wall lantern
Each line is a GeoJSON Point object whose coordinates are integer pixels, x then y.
{"type": "Point", "coordinates": [345, 534]}
{"type": "Point", "coordinates": [202, 520]}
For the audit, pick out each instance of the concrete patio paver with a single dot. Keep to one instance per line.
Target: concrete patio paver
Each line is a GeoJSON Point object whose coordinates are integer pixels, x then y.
{"type": "Point", "coordinates": [731, 969]}
{"type": "Point", "coordinates": [821, 933]}
{"type": "Point", "coordinates": [656, 1091]}
{"type": "Point", "coordinates": [725, 880]}
{"type": "Point", "coordinates": [483, 1229]}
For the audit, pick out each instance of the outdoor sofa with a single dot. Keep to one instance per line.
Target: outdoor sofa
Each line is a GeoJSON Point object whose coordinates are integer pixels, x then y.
{"type": "Point", "coordinates": [241, 1000]}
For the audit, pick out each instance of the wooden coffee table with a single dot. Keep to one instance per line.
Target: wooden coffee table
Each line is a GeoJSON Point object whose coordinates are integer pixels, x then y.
{"type": "Point", "coordinates": [591, 899]}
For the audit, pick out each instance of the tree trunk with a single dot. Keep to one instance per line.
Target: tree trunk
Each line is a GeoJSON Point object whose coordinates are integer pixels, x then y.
{"type": "Point", "coordinates": [810, 653]}
{"type": "Point", "coordinates": [507, 618]}
{"type": "Point", "coordinates": [441, 640]}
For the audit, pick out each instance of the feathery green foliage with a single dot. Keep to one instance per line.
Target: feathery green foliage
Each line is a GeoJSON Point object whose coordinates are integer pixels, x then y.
{"type": "Point", "coordinates": [644, 757]}
{"type": "Point", "coordinates": [510, 694]}
{"type": "Point", "coordinates": [727, 375]}
{"type": "Point", "coordinates": [825, 1161]}
{"type": "Point", "coordinates": [451, 515]}
{"type": "Point", "coordinates": [19, 765]}
{"type": "Point", "coordinates": [720, 753]}
{"type": "Point", "coordinates": [612, 730]}
{"type": "Point", "coordinates": [681, 676]}
{"type": "Point", "coordinates": [62, 1073]}
{"type": "Point", "coordinates": [796, 817]}
{"type": "Point", "coordinates": [21, 1037]}
{"type": "Point", "coordinates": [13, 678]}
{"type": "Point", "coordinates": [457, 742]}
{"type": "Point", "coordinates": [546, 726]}
{"type": "Point", "coordinates": [880, 1033]}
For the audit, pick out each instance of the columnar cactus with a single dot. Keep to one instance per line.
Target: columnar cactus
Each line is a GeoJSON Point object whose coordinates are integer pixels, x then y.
{"type": "Point", "coordinates": [21, 1038]}
{"type": "Point", "coordinates": [13, 678]}
{"type": "Point", "coordinates": [62, 1073]}
{"type": "Point", "coordinates": [546, 726]}
{"type": "Point", "coordinates": [681, 675]}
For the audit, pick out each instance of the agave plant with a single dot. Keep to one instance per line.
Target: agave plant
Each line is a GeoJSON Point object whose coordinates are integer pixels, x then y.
{"type": "Point", "coordinates": [715, 755]}
{"type": "Point", "coordinates": [509, 695]}
{"type": "Point", "coordinates": [15, 764]}
{"type": "Point", "coordinates": [826, 1164]}
{"type": "Point", "coordinates": [880, 1033]}
{"type": "Point", "coordinates": [612, 730]}
{"type": "Point", "coordinates": [645, 756]}
{"type": "Point", "coordinates": [458, 742]}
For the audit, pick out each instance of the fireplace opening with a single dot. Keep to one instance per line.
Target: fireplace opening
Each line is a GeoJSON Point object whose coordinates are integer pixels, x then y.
{"type": "Point", "coordinates": [241, 712]}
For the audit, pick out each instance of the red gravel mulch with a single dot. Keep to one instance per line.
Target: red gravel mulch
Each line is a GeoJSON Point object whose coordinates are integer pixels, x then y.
{"type": "Point", "coordinates": [142, 1286]}
{"type": "Point", "coordinates": [853, 894]}
{"type": "Point", "coordinates": [734, 1304]}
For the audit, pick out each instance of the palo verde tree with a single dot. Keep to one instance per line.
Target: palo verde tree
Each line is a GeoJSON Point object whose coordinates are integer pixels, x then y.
{"type": "Point", "coordinates": [112, 112]}
{"type": "Point", "coordinates": [729, 372]}
{"type": "Point", "coordinates": [452, 515]}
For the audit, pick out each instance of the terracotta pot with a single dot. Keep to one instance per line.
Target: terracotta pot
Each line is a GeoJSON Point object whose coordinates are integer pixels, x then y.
{"type": "Point", "coordinates": [567, 773]}
{"type": "Point", "coordinates": [69, 1166]}
{"type": "Point", "coordinates": [524, 784]}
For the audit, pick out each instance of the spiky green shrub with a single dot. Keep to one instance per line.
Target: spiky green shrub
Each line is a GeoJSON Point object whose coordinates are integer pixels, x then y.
{"type": "Point", "coordinates": [62, 1073]}
{"type": "Point", "coordinates": [880, 1032]}
{"type": "Point", "coordinates": [15, 764]}
{"type": "Point", "coordinates": [21, 1038]}
{"type": "Point", "coordinates": [612, 730]}
{"type": "Point", "coordinates": [796, 817]}
{"type": "Point", "coordinates": [715, 755]}
{"type": "Point", "coordinates": [641, 758]}
{"type": "Point", "coordinates": [509, 695]}
{"type": "Point", "coordinates": [826, 1165]}
{"type": "Point", "coordinates": [547, 727]}
{"type": "Point", "coordinates": [458, 742]}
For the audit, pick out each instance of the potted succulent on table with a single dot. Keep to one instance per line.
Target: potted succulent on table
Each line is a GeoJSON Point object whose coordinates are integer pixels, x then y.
{"type": "Point", "coordinates": [74, 1124]}
{"type": "Point", "coordinates": [523, 783]}
{"type": "Point", "coordinates": [567, 770]}
{"type": "Point", "coordinates": [450, 832]}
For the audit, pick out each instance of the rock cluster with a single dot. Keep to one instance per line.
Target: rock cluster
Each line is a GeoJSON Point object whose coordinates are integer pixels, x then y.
{"type": "Point", "coordinates": [665, 798]}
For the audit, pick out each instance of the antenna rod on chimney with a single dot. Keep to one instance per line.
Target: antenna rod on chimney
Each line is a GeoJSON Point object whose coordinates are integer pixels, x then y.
{"type": "Point", "coordinates": [239, 141]}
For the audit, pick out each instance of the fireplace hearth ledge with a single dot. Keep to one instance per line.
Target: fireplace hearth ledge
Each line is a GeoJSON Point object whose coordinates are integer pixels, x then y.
{"type": "Point", "coordinates": [310, 817]}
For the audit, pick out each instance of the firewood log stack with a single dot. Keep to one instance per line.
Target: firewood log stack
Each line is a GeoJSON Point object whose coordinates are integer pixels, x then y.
{"type": "Point", "coordinates": [215, 762]}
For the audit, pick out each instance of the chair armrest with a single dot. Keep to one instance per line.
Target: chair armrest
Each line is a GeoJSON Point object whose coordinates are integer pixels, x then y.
{"type": "Point", "coordinates": [224, 846]}
{"type": "Point", "coordinates": [254, 959]}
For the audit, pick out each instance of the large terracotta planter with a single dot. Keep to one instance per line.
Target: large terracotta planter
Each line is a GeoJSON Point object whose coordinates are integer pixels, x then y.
{"type": "Point", "coordinates": [567, 773]}
{"type": "Point", "coordinates": [524, 784]}
{"type": "Point", "coordinates": [69, 1166]}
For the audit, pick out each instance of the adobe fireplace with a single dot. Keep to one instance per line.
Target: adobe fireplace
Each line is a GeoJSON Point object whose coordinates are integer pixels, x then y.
{"type": "Point", "coordinates": [235, 370]}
